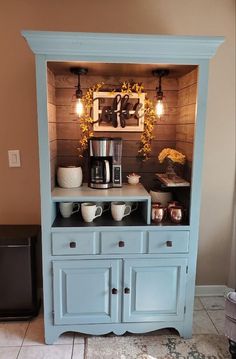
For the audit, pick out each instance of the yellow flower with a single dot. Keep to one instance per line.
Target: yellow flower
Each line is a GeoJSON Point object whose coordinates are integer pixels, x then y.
{"type": "Point", "coordinates": [173, 155]}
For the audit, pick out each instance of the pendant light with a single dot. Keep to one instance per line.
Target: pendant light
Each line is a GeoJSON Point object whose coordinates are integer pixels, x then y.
{"type": "Point", "coordinates": [79, 107]}
{"type": "Point", "coordinates": [159, 109]}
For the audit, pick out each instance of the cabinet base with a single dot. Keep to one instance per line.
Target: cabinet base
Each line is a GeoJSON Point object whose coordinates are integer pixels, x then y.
{"type": "Point", "coordinates": [53, 332]}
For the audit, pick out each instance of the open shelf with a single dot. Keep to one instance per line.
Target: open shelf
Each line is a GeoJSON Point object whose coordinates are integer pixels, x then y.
{"type": "Point", "coordinates": [127, 192]}
{"type": "Point", "coordinates": [76, 220]}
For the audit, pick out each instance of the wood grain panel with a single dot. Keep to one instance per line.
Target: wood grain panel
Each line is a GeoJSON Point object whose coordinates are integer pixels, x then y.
{"type": "Point", "coordinates": [53, 149]}
{"type": "Point", "coordinates": [52, 130]}
{"type": "Point", "coordinates": [185, 133]}
{"type": "Point", "coordinates": [149, 83]}
{"type": "Point", "coordinates": [51, 113]}
{"type": "Point", "coordinates": [64, 114]}
{"type": "Point", "coordinates": [68, 131]}
{"type": "Point", "coordinates": [186, 148]}
{"type": "Point", "coordinates": [188, 79]}
{"type": "Point", "coordinates": [130, 148]}
{"type": "Point", "coordinates": [187, 114]}
{"type": "Point", "coordinates": [132, 164]}
{"type": "Point", "coordinates": [51, 94]}
{"type": "Point", "coordinates": [50, 77]}
{"type": "Point", "coordinates": [53, 165]}
{"type": "Point", "coordinates": [164, 132]}
{"type": "Point", "coordinates": [67, 147]}
{"type": "Point", "coordinates": [64, 96]}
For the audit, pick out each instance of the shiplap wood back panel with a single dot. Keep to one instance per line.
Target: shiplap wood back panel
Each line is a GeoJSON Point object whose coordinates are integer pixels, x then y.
{"type": "Point", "coordinates": [68, 131]}
{"type": "Point", "coordinates": [52, 126]}
{"type": "Point", "coordinates": [186, 113]}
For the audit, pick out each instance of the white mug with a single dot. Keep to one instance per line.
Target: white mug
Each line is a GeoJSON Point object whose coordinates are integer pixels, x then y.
{"type": "Point", "coordinates": [67, 208]}
{"type": "Point", "coordinates": [90, 211]}
{"type": "Point", "coordinates": [120, 210]}
{"type": "Point", "coordinates": [133, 205]}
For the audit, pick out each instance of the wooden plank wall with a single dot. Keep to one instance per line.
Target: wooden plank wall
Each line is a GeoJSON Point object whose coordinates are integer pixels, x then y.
{"type": "Point", "coordinates": [187, 97]}
{"type": "Point", "coordinates": [68, 129]}
{"type": "Point", "coordinates": [52, 126]}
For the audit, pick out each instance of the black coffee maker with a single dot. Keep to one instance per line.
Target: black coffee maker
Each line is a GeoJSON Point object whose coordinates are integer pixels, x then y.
{"type": "Point", "coordinates": [105, 162]}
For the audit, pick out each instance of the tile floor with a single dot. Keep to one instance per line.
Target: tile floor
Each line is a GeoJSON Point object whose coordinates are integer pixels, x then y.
{"type": "Point", "coordinates": [24, 340]}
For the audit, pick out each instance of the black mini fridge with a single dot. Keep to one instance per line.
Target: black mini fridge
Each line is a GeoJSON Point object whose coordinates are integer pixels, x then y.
{"type": "Point", "coordinates": [18, 271]}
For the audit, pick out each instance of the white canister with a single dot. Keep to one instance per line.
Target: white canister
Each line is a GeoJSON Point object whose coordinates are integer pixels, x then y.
{"type": "Point", "coordinates": [162, 197]}
{"type": "Point", "coordinates": [69, 177]}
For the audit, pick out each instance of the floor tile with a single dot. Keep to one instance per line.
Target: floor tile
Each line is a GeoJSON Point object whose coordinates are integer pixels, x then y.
{"type": "Point", "coordinates": [78, 351]}
{"type": "Point", "coordinates": [198, 304]}
{"type": "Point", "coordinates": [12, 333]}
{"type": "Point", "coordinates": [46, 352]}
{"type": "Point", "coordinates": [218, 318]}
{"type": "Point", "coordinates": [202, 324]}
{"type": "Point", "coordinates": [213, 303]}
{"type": "Point", "coordinates": [9, 352]}
{"type": "Point", "coordinates": [35, 334]}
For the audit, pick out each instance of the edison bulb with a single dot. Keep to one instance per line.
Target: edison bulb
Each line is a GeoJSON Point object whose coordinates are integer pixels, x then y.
{"type": "Point", "coordinates": [159, 108]}
{"type": "Point", "coordinates": [79, 107]}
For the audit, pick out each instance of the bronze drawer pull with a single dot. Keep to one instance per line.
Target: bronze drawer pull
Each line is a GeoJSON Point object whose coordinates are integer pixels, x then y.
{"type": "Point", "coordinates": [121, 243]}
{"type": "Point", "coordinates": [114, 291]}
{"type": "Point", "coordinates": [72, 244]}
{"type": "Point", "coordinates": [169, 244]}
{"type": "Point", "coordinates": [126, 290]}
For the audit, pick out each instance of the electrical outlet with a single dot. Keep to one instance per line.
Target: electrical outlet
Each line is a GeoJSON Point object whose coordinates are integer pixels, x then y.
{"type": "Point", "coordinates": [14, 158]}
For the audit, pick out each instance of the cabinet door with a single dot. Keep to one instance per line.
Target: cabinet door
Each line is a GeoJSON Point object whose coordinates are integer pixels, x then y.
{"type": "Point", "coordinates": [83, 291]}
{"type": "Point", "coordinates": [154, 289]}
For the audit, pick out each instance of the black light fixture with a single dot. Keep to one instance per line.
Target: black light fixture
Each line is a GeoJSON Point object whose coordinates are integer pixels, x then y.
{"type": "Point", "coordinates": [160, 104]}
{"type": "Point", "coordinates": [79, 108]}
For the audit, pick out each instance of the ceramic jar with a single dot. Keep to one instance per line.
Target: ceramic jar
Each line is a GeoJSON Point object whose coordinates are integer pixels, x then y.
{"type": "Point", "coordinates": [69, 177]}
{"type": "Point", "coordinates": [133, 178]}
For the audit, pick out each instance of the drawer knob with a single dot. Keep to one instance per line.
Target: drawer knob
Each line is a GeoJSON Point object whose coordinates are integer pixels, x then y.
{"type": "Point", "coordinates": [121, 243]}
{"type": "Point", "coordinates": [114, 291]}
{"type": "Point", "coordinates": [169, 243]}
{"type": "Point", "coordinates": [72, 244]}
{"type": "Point", "coordinates": [126, 290]}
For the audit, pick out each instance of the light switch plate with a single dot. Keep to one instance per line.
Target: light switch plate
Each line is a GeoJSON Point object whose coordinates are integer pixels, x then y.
{"type": "Point", "coordinates": [14, 158]}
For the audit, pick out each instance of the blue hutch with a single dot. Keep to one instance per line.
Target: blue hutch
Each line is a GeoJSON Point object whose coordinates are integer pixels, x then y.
{"type": "Point", "coordinates": [108, 277]}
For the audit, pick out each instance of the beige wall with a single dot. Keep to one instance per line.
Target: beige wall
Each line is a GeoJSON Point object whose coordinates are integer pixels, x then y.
{"type": "Point", "coordinates": [19, 187]}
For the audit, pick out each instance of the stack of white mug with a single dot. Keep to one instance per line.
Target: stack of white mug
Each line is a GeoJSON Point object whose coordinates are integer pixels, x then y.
{"type": "Point", "coordinates": [92, 210]}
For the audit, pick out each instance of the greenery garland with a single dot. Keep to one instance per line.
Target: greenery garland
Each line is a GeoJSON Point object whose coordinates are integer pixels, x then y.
{"type": "Point", "coordinates": [86, 121]}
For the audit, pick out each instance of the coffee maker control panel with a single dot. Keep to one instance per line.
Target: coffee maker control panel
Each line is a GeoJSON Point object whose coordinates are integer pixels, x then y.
{"type": "Point", "coordinates": [117, 178]}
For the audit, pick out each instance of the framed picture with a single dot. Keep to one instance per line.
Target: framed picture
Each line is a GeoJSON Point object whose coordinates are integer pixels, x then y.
{"type": "Point", "coordinates": [116, 111]}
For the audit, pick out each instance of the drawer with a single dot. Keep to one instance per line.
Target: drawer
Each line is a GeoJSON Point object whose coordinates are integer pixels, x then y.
{"type": "Point", "coordinates": [122, 242]}
{"type": "Point", "coordinates": [74, 243]}
{"type": "Point", "coordinates": [168, 241]}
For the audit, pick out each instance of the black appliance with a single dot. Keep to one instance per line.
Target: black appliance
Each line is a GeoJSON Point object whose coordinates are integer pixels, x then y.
{"type": "Point", "coordinates": [18, 275]}
{"type": "Point", "coordinates": [105, 162]}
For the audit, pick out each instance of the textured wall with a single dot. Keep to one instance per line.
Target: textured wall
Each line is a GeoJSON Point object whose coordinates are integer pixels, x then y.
{"type": "Point", "coordinates": [19, 187]}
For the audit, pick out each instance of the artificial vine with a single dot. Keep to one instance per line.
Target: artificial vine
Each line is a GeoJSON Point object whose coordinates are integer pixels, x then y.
{"type": "Point", "coordinates": [86, 121]}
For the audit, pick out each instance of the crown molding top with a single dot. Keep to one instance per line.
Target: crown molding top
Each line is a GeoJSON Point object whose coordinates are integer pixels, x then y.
{"type": "Point", "coordinates": [121, 46]}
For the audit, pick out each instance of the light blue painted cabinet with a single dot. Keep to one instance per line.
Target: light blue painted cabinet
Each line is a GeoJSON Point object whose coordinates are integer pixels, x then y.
{"type": "Point", "coordinates": [154, 289]}
{"type": "Point", "coordinates": [86, 291]}
{"type": "Point", "coordinates": [108, 277]}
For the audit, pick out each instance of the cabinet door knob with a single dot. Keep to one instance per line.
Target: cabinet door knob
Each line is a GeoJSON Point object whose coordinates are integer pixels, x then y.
{"type": "Point", "coordinates": [121, 243]}
{"type": "Point", "coordinates": [126, 290]}
{"type": "Point", "coordinates": [169, 243]}
{"type": "Point", "coordinates": [72, 244]}
{"type": "Point", "coordinates": [114, 291]}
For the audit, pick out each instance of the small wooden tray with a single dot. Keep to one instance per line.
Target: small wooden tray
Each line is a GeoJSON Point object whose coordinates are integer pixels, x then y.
{"type": "Point", "coordinates": [172, 182]}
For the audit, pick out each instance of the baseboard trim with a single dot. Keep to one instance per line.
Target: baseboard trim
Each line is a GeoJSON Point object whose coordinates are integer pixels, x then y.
{"type": "Point", "coordinates": [212, 290]}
